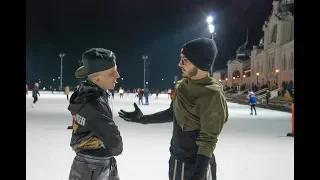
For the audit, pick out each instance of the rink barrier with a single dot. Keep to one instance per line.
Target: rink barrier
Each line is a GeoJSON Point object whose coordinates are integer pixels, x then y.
{"type": "Point", "coordinates": [291, 134]}
{"type": "Point", "coordinates": [57, 93]}
{"type": "Point", "coordinates": [50, 92]}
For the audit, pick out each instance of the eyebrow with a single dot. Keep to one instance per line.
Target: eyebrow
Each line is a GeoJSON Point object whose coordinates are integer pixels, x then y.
{"type": "Point", "coordinates": [113, 71]}
{"type": "Point", "coordinates": [184, 58]}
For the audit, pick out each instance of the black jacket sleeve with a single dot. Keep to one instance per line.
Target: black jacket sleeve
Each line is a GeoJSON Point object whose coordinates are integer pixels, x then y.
{"type": "Point", "coordinates": [159, 117]}
{"type": "Point", "coordinates": [102, 125]}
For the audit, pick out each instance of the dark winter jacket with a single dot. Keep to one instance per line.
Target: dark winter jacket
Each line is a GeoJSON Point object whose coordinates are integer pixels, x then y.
{"type": "Point", "coordinates": [268, 95]}
{"type": "Point", "coordinates": [94, 131]}
{"type": "Point", "coordinates": [199, 111]}
{"type": "Point", "coordinates": [146, 92]}
{"type": "Point", "coordinates": [35, 91]}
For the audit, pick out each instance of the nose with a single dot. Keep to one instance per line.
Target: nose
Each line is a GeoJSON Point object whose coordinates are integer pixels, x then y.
{"type": "Point", "coordinates": [117, 75]}
{"type": "Point", "coordinates": [180, 63]}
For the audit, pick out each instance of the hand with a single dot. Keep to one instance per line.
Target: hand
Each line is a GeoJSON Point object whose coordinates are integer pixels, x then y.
{"type": "Point", "coordinates": [134, 116]}
{"type": "Point", "coordinates": [201, 168]}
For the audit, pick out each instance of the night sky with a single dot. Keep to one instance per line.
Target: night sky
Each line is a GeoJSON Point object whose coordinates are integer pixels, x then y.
{"type": "Point", "coordinates": [132, 28]}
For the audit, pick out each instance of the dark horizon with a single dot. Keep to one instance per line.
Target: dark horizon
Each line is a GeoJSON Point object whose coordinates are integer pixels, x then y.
{"type": "Point", "coordinates": [130, 30]}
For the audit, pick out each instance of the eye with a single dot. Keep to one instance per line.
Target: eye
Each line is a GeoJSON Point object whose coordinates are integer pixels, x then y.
{"type": "Point", "coordinates": [111, 74]}
{"type": "Point", "coordinates": [184, 60]}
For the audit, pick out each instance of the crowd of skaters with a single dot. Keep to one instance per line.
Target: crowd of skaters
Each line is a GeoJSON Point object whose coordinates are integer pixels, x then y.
{"type": "Point", "coordinates": [286, 90]}
{"type": "Point", "coordinates": [36, 93]}
{"type": "Point", "coordinates": [143, 93]}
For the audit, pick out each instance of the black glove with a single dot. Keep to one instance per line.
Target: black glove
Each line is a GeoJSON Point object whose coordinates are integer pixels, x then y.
{"type": "Point", "coordinates": [134, 116]}
{"type": "Point", "coordinates": [201, 167]}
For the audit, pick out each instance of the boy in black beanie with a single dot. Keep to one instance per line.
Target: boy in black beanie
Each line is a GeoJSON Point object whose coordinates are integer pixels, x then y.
{"type": "Point", "coordinates": [198, 111]}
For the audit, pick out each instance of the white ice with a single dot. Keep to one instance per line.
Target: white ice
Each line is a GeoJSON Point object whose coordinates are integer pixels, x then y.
{"type": "Point", "coordinates": [249, 147]}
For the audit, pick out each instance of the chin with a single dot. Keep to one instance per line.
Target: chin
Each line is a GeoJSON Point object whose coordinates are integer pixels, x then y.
{"type": "Point", "coordinates": [112, 87]}
{"type": "Point", "coordinates": [185, 75]}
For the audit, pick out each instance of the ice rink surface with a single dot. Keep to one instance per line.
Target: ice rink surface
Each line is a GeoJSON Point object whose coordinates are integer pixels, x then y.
{"type": "Point", "coordinates": [249, 147]}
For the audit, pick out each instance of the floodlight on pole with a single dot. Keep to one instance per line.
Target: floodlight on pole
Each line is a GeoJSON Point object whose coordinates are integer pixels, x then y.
{"type": "Point", "coordinates": [144, 70]}
{"type": "Point", "coordinates": [211, 28]}
{"type": "Point", "coordinates": [209, 19]}
{"type": "Point", "coordinates": [212, 32]}
{"type": "Point", "coordinates": [61, 55]}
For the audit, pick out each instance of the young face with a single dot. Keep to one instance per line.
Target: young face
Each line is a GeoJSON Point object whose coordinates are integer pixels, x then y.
{"type": "Point", "coordinates": [106, 79]}
{"type": "Point", "coordinates": [188, 69]}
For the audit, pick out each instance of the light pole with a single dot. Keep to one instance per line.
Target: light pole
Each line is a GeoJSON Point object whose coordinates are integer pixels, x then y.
{"type": "Point", "coordinates": [144, 70]}
{"type": "Point", "coordinates": [211, 30]}
{"type": "Point", "coordinates": [53, 84]}
{"type": "Point", "coordinates": [61, 55]}
{"type": "Point", "coordinates": [211, 26]}
{"type": "Point", "coordinates": [147, 64]}
{"type": "Point", "coordinates": [257, 77]}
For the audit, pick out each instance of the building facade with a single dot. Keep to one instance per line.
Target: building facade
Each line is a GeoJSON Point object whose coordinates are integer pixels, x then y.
{"type": "Point", "coordinates": [274, 62]}
{"type": "Point", "coordinates": [270, 62]}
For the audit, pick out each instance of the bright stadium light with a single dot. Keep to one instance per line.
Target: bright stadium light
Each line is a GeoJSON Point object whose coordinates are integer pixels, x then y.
{"type": "Point", "coordinates": [211, 28]}
{"type": "Point", "coordinates": [209, 19]}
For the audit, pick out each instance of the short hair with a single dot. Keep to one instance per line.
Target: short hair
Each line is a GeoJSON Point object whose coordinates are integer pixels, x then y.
{"type": "Point", "coordinates": [90, 76]}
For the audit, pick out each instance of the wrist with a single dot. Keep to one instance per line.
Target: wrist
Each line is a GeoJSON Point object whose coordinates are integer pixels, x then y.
{"type": "Point", "coordinates": [143, 119]}
{"type": "Point", "coordinates": [202, 165]}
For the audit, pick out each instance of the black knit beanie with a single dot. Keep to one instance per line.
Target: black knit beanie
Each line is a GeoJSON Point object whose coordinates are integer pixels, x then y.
{"type": "Point", "coordinates": [201, 52]}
